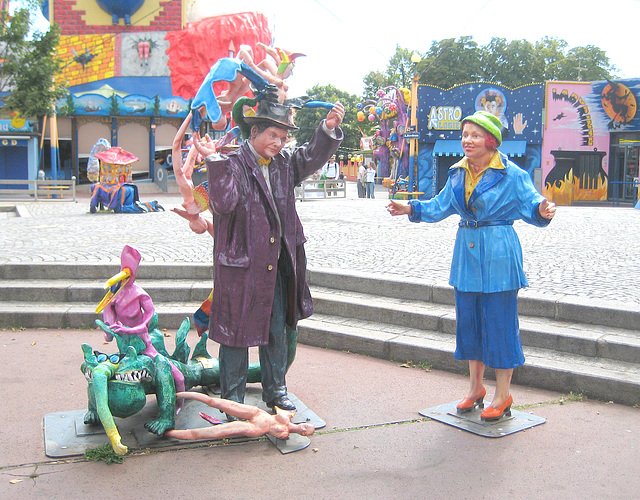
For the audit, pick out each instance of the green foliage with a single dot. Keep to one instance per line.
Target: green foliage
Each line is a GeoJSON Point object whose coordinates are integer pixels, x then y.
{"type": "Point", "coordinates": [373, 81]}
{"type": "Point", "coordinates": [565, 398]}
{"type": "Point", "coordinates": [308, 119]}
{"type": "Point", "coordinates": [115, 108]}
{"type": "Point", "coordinates": [156, 106]}
{"type": "Point", "coordinates": [451, 62]}
{"type": "Point", "coordinates": [69, 107]}
{"type": "Point", "coordinates": [30, 64]}
{"type": "Point", "coordinates": [103, 453]}
{"type": "Point", "coordinates": [421, 365]}
{"type": "Point", "coordinates": [399, 73]}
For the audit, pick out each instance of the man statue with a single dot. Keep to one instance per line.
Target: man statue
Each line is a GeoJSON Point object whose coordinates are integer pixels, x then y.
{"type": "Point", "coordinates": [258, 256]}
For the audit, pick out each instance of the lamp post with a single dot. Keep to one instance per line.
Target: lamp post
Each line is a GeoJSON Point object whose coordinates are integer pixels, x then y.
{"type": "Point", "coordinates": [413, 121]}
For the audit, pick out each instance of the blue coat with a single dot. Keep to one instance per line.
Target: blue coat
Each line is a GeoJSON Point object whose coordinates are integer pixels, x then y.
{"type": "Point", "coordinates": [246, 227]}
{"type": "Point", "coordinates": [486, 259]}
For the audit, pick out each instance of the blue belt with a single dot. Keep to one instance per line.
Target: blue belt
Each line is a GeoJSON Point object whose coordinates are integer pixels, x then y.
{"type": "Point", "coordinates": [481, 223]}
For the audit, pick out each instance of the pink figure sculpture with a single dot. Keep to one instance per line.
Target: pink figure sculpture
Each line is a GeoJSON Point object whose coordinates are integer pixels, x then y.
{"type": "Point", "coordinates": [275, 71]}
{"type": "Point", "coordinates": [127, 309]}
{"type": "Point", "coordinates": [144, 49]}
{"type": "Point", "coordinates": [184, 173]}
{"type": "Point", "coordinates": [256, 422]}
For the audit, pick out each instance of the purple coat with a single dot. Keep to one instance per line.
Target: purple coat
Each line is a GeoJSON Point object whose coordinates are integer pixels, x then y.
{"type": "Point", "coordinates": [245, 248]}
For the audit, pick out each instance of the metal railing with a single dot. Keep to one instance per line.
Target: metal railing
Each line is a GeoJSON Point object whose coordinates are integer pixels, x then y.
{"type": "Point", "coordinates": [313, 189]}
{"type": "Point", "coordinates": [38, 190]}
{"type": "Point", "coordinates": [621, 192]}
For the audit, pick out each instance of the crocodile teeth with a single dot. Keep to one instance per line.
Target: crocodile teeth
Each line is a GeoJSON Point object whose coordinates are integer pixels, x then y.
{"type": "Point", "coordinates": [135, 376]}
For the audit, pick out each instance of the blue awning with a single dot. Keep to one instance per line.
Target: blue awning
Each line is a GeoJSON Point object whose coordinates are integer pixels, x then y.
{"type": "Point", "coordinates": [513, 148]}
{"type": "Point", "coordinates": [454, 148]}
{"type": "Point", "coordinates": [448, 148]}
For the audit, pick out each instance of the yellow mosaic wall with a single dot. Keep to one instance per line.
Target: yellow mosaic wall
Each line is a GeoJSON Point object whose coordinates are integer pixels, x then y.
{"type": "Point", "coordinates": [101, 66]}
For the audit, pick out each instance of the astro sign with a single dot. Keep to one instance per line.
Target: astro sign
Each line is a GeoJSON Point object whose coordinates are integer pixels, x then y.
{"type": "Point", "coordinates": [445, 118]}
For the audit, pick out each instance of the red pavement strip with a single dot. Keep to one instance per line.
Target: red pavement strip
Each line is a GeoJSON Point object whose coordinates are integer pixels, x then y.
{"type": "Point", "coordinates": [375, 443]}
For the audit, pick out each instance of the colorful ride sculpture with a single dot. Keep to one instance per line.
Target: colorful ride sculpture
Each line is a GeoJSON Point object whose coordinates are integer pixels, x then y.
{"type": "Point", "coordinates": [389, 146]}
{"type": "Point", "coordinates": [114, 189]}
{"type": "Point", "coordinates": [119, 382]}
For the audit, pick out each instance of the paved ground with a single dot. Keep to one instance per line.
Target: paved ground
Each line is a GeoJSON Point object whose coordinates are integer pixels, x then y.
{"type": "Point", "coordinates": [587, 252]}
{"type": "Point", "coordinates": [375, 444]}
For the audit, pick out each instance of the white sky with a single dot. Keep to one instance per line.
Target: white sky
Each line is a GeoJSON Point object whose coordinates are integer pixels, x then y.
{"type": "Point", "coordinates": [345, 39]}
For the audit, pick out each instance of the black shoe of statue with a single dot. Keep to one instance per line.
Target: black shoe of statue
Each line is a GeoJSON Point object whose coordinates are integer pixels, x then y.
{"type": "Point", "coordinates": [283, 402]}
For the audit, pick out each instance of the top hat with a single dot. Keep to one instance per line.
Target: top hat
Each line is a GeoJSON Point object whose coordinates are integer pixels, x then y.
{"type": "Point", "coordinates": [280, 115]}
{"type": "Point", "coordinates": [270, 110]}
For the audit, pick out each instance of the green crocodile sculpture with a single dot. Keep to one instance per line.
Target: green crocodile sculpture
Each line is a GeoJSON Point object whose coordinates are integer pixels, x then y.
{"type": "Point", "coordinates": [119, 383]}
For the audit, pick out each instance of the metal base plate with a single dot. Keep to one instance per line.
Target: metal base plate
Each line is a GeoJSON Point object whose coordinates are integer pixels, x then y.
{"type": "Point", "coordinates": [471, 422]}
{"type": "Point", "coordinates": [66, 435]}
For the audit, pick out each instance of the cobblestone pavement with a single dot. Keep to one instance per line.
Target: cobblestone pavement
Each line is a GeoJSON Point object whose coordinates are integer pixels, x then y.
{"type": "Point", "coordinates": [586, 252]}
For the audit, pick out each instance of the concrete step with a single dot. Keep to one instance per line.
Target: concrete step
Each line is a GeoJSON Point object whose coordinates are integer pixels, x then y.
{"type": "Point", "coordinates": [598, 378]}
{"type": "Point", "coordinates": [81, 315]}
{"type": "Point", "coordinates": [561, 308]}
{"type": "Point", "coordinates": [540, 332]}
{"type": "Point", "coordinates": [571, 345]}
{"type": "Point", "coordinates": [63, 298]}
{"type": "Point", "coordinates": [70, 291]}
{"type": "Point", "coordinates": [102, 271]}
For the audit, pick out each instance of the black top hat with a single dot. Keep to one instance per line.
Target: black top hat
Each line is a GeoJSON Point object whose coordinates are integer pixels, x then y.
{"type": "Point", "coordinates": [280, 115]}
{"type": "Point", "coordinates": [269, 109]}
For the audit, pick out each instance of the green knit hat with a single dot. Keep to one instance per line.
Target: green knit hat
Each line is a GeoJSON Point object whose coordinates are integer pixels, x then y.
{"type": "Point", "coordinates": [488, 122]}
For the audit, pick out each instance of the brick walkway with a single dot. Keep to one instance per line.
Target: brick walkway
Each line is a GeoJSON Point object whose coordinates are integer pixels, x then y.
{"type": "Point", "coordinates": [586, 252]}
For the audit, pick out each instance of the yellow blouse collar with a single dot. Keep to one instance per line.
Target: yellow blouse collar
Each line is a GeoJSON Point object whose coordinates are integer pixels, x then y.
{"type": "Point", "coordinates": [495, 162]}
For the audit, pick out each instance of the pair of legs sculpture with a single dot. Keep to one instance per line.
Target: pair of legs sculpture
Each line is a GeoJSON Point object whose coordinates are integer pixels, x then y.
{"type": "Point", "coordinates": [488, 332]}
{"type": "Point", "coordinates": [502, 399]}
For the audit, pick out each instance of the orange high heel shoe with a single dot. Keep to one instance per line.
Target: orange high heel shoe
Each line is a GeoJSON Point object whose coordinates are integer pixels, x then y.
{"type": "Point", "coordinates": [469, 404]}
{"type": "Point", "coordinates": [492, 414]}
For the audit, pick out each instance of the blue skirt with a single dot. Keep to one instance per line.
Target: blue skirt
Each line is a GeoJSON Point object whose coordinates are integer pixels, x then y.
{"type": "Point", "coordinates": [487, 329]}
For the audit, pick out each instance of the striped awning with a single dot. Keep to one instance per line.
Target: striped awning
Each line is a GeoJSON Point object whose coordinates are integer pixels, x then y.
{"type": "Point", "coordinates": [454, 148]}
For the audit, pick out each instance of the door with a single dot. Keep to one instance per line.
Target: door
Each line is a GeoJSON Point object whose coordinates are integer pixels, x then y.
{"type": "Point", "coordinates": [624, 170]}
{"type": "Point", "coordinates": [13, 161]}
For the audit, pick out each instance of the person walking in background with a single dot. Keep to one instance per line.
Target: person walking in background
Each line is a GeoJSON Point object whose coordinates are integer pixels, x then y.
{"type": "Point", "coordinates": [332, 171]}
{"type": "Point", "coordinates": [371, 179]}
{"type": "Point", "coordinates": [362, 181]}
{"type": "Point", "coordinates": [489, 192]}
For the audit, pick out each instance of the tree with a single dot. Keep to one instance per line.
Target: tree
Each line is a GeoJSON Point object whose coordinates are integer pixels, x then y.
{"type": "Point", "coordinates": [587, 64]}
{"type": "Point", "coordinates": [30, 63]}
{"type": "Point", "coordinates": [307, 119]}
{"type": "Point", "coordinates": [451, 62]}
{"type": "Point", "coordinates": [513, 63]}
{"type": "Point", "coordinates": [498, 58]}
{"type": "Point", "coordinates": [399, 73]}
{"type": "Point", "coordinates": [551, 52]}
{"type": "Point", "coordinates": [373, 81]}
{"type": "Point", "coordinates": [400, 69]}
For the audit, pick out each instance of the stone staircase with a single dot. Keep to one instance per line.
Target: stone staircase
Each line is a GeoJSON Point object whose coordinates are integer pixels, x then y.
{"type": "Point", "coordinates": [571, 345]}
